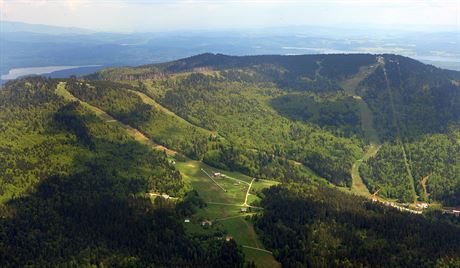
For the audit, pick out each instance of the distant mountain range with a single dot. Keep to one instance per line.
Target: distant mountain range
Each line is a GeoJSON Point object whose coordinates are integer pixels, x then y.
{"type": "Point", "coordinates": [30, 45]}
{"type": "Point", "coordinates": [15, 26]}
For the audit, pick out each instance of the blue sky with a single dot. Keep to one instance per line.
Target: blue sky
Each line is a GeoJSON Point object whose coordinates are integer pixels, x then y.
{"type": "Point", "coordinates": [162, 15]}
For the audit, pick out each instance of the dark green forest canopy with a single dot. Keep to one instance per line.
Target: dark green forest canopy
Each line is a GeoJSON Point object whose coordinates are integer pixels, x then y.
{"type": "Point", "coordinates": [309, 226]}
{"type": "Point", "coordinates": [302, 72]}
{"type": "Point", "coordinates": [434, 161]}
{"type": "Point", "coordinates": [241, 113]}
{"type": "Point", "coordinates": [339, 115]}
{"type": "Point", "coordinates": [70, 180]}
{"type": "Point", "coordinates": [404, 102]}
{"type": "Point", "coordinates": [417, 110]}
{"type": "Point", "coordinates": [74, 186]}
{"type": "Point", "coordinates": [333, 66]}
{"type": "Point", "coordinates": [191, 140]}
{"type": "Point", "coordinates": [425, 99]}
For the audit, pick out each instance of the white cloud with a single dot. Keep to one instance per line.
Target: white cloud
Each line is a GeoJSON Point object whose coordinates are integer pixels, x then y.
{"type": "Point", "coordinates": [77, 4]}
{"type": "Point", "coordinates": [162, 15]}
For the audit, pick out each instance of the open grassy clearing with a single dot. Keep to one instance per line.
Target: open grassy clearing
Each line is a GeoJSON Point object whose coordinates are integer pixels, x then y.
{"type": "Point", "coordinates": [367, 122]}
{"type": "Point", "coordinates": [260, 258]}
{"type": "Point", "coordinates": [192, 172]}
{"type": "Point", "coordinates": [235, 184]}
{"type": "Point", "coordinates": [235, 226]}
{"type": "Point", "coordinates": [351, 83]}
{"type": "Point", "coordinates": [259, 185]}
{"type": "Point", "coordinates": [367, 126]}
{"type": "Point", "coordinates": [233, 222]}
{"type": "Point", "coordinates": [227, 215]}
{"type": "Point", "coordinates": [358, 186]}
{"type": "Point", "coordinates": [252, 198]}
{"type": "Point", "coordinates": [213, 211]}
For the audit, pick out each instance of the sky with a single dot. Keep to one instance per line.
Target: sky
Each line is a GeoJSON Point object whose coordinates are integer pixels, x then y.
{"type": "Point", "coordinates": [172, 15]}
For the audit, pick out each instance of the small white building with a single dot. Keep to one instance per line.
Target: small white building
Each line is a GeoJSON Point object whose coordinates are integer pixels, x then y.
{"type": "Point", "coordinates": [244, 210]}
{"type": "Point", "coordinates": [187, 221]}
{"type": "Point", "coordinates": [422, 205]}
{"type": "Point", "coordinates": [206, 222]}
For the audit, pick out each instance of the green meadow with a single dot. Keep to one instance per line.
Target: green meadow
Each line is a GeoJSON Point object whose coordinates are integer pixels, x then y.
{"type": "Point", "coordinates": [224, 207]}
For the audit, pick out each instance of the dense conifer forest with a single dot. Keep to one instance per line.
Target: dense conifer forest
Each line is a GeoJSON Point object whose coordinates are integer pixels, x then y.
{"type": "Point", "coordinates": [73, 191]}
{"type": "Point", "coordinates": [78, 187]}
{"type": "Point", "coordinates": [321, 227]}
{"type": "Point", "coordinates": [322, 111]}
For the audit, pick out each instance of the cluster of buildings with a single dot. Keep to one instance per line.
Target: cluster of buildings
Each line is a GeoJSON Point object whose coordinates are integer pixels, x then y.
{"type": "Point", "coordinates": [419, 205]}
{"type": "Point", "coordinates": [452, 210]}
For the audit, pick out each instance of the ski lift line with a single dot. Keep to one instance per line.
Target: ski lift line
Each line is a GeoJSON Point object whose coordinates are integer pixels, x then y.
{"type": "Point", "coordinates": [204, 171]}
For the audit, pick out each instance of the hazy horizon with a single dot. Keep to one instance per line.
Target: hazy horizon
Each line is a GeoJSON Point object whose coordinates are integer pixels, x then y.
{"type": "Point", "coordinates": [43, 33]}
{"type": "Point", "coordinates": [203, 15]}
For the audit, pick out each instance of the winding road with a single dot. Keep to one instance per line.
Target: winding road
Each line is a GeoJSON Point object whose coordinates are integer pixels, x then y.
{"type": "Point", "coordinates": [247, 193]}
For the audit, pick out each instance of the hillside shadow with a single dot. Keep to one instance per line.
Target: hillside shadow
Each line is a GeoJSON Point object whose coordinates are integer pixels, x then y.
{"type": "Point", "coordinates": [341, 117]}
{"type": "Point", "coordinates": [97, 214]}
{"type": "Point", "coordinates": [88, 217]}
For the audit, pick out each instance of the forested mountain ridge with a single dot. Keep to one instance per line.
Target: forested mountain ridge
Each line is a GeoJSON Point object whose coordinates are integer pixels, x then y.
{"type": "Point", "coordinates": [71, 180]}
{"type": "Point", "coordinates": [355, 97]}
{"type": "Point", "coordinates": [413, 85]}
{"type": "Point", "coordinates": [417, 111]}
{"type": "Point", "coordinates": [73, 190]}
{"type": "Point", "coordinates": [424, 99]}
{"type": "Point", "coordinates": [297, 72]}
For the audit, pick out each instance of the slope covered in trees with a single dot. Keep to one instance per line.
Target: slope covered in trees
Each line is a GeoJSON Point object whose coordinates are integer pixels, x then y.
{"type": "Point", "coordinates": [424, 99]}
{"type": "Point", "coordinates": [73, 191]}
{"type": "Point", "coordinates": [434, 163]}
{"type": "Point", "coordinates": [126, 106]}
{"type": "Point", "coordinates": [241, 114]}
{"type": "Point", "coordinates": [72, 188]}
{"type": "Point", "coordinates": [417, 111]}
{"type": "Point", "coordinates": [338, 114]}
{"type": "Point", "coordinates": [305, 108]}
{"type": "Point", "coordinates": [255, 150]}
{"type": "Point", "coordinates": [309, 226]}
{"type": "Point", "coordinates": [191, 140]}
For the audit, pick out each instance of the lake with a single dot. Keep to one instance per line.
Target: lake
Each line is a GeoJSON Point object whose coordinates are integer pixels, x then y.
{"type": "Point", "coordinates": [18, 72]}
